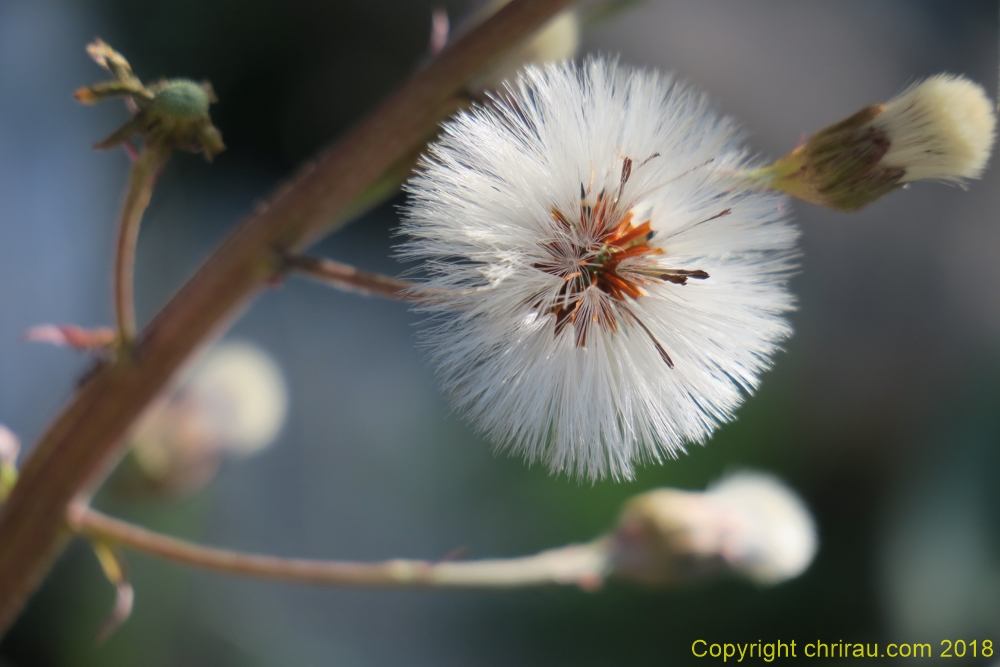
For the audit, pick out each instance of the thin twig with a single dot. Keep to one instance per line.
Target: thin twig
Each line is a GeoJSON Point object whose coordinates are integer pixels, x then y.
{"type": "Point", "coordinates": [348, 278]}
{"type": "Point", "coordinates": [84, 442]}
{"type": "Point", "coordinates": [145, 171]}
{"type": "Point", "coordinates": [583, 565]}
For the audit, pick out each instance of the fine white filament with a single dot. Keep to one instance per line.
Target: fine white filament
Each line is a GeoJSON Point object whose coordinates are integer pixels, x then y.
{"type": "Point", "coordinates": [942, 128]}
{"type": "Point", "coordinates": [563, 327]}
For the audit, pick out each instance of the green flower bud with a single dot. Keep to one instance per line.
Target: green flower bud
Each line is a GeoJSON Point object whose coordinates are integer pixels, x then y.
{"type": "Point", "coordinates": [181, 100]}
{"type": "Point", "coordinates": [169, 114]}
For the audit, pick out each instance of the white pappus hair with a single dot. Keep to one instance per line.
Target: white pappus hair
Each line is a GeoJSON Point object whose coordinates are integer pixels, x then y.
{"type": "Point", "coordinates": [942, 128]}
{"type": "Point", "coordinates": [603, 291]}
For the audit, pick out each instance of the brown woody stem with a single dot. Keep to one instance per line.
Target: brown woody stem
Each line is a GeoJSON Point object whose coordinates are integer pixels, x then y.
{"type": "Point", "coordinates": [144, 174]}
{"type": "Point", "coordinates": [84, 441]}
{"type": "Point", "coordinates": [583, 565]}
{"type": "Point", "coordinates": [348, 278]}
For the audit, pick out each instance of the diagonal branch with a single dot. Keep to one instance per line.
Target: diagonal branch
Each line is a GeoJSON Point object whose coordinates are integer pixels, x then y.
{"type": "Point", "coordinates": [83, 443]}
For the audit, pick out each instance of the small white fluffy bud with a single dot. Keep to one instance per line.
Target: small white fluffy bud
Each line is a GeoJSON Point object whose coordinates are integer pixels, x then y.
{"type": "Point", "coordinates": [233, 401]}
{"type": "Point", "coordinates": [942, 128]}
{"type": "Point", "coordinates": [10, 446]}
{"type": "Point", "coordinates": [748, 524]}
{"type": "Point", "coordinates": [772, 536]}
{"type": "Point", "coordinates": [244, 391]}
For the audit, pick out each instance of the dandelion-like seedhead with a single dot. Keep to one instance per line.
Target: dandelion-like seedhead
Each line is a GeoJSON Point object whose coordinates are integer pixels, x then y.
{"type": "Point", "coordinates": [603, 290]}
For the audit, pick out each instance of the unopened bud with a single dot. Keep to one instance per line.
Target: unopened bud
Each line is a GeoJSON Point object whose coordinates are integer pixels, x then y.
{"type": "Point", "coordinates": [233, 403]}
{"type": "Point", "coordinates": [556, 40]}
{"type": "Point", "coordinates": [940, 129]}
{"type": "Point", "coordinates": [73, 337]}
{"type": "Point", "coordinates": [178, 116]}
{"type": "Point", "coordinates": [10, 446]}
{"type": "Point", "coordinates": [748, 524]}
{"type": "Point", "coordinates": [243, 391]}
{"type": "Point", "coordinates": [169, 114]}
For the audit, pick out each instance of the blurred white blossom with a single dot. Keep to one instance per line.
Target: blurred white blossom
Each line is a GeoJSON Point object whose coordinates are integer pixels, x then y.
{"type": "Point", "coordinates": [769, 534]}
{"type": "Point", "coordinates": [748, 524]}
{"type": "Point", "coordinates": [10, 447]}
{"type": "Point", "coordinates": [243, 391]}
{"type": "Point", "coordinates": [233, 401]}
{"type": "Point", "coordinates": [607, 292]}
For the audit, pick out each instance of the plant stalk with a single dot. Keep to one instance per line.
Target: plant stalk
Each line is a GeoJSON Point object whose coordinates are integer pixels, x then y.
{"type": "Point", "coordinates": [583, 565]}
{"type": "Point", "coordinates": [85, 441]}
{"type": "Point", "coordinates": [350, 279]}
{"type": "Point", "coordinates": [145, 171]}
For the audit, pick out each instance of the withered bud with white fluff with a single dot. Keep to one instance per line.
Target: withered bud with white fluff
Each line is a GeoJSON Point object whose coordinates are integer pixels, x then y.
{"type": "Point", "coordinates": [233, 402]}
{"type": "Point", "coordinates": [940, 129]}
{"type": "Point", "coordinates": [748, 524]}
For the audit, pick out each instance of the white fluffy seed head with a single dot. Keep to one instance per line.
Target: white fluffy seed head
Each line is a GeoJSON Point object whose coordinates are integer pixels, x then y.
{"type": "Point", "coordinates": [566, 330]}
{"type": "Point", "coordinates": [942, 128]}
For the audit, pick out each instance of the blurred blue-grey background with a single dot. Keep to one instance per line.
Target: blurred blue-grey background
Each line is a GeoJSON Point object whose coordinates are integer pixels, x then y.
{"type": "Point", "coordinates": [884, 411]}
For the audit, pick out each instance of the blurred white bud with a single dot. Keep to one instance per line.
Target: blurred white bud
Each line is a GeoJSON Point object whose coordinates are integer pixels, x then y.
{"type": "Point", "coordinates": [10, 446]}
{"type": "Point", "coordinates": [242, 392]}
{"type": "Point", "coordinates": [772, 536]}
{"type": "Point", "coordinates": [941, 129]}
{"type": "Point", "coordinates": [556, 40]}
{"type": "Point", "coordinates": [234, 401]}
{"type": "Point", "coordinates": [749, 524]}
